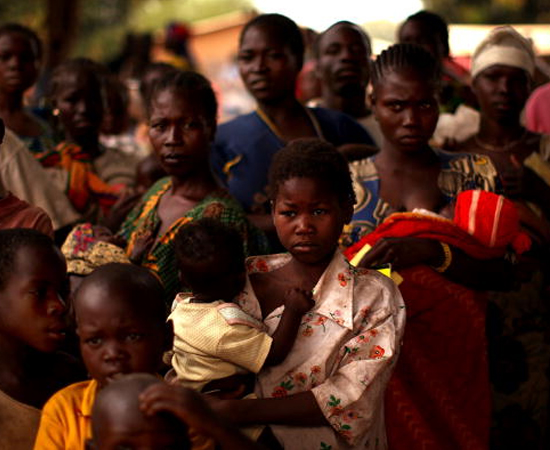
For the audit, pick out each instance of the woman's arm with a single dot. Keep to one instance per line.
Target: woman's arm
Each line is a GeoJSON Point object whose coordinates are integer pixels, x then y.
{"type": "Point", "coordinates": [488, 274]}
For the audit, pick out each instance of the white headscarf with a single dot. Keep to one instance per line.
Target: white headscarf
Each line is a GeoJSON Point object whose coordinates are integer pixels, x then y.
{"type": "Point", "coordinates": [505, 46]}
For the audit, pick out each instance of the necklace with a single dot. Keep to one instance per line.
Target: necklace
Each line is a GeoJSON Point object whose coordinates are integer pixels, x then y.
{"type": "Point", "coordinates": [501, 148]}
{"type": "Point", "coordinates": [275, 130]}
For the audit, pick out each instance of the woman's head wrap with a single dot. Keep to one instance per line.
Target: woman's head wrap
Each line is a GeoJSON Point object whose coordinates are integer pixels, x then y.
{"type": "Point", "coordinates": [505, 46]}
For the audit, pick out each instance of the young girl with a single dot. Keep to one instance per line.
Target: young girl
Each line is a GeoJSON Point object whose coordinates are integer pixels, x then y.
{"type": "Point", "coordinates": [32, 329]}
{"type": "Point", "coordinates": [93, 176]}
{"type": "Point", "coordinates": [328, 392]}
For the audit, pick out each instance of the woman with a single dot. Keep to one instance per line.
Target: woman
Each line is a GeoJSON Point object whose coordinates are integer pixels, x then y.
{"type": "Point", "coordinates": [182, 118]}
{"type": "Point", "coordinates": [270, 57]}
{"type": "Point", "coordinates": [502, 70]}
{"type": "Point", "coordinates": [439, 394]}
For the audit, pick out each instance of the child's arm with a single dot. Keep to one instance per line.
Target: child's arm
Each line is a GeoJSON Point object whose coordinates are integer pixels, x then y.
{"type": "Point", "coordinates": [297, 303]}
{"type": "Point", "coordinates": [191, 408]}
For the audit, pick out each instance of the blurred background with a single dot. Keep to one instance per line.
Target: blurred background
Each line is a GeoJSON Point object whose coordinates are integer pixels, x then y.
{"type": "Point", "coordinates": [203, 34]}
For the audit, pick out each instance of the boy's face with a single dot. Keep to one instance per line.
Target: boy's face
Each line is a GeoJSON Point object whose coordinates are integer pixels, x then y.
{"type": "Point", "coordinates": [115, 338]}
{"type": "Point", "coordinates": [32, 305]}
{"type": "Point", "coordinates": [139, 433]}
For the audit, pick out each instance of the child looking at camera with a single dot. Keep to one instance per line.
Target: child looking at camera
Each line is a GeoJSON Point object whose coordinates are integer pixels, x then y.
{"type": "Point", "coordinates": [121, 324]}
{"type": "Point", "coordinates": [214, 337]}
{"type": "Point", "coordinates": [329, 391]}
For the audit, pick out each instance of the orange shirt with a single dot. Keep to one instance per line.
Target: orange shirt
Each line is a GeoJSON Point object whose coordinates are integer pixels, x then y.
{"type": "Point", "coordinates": [66, 421]}
{"type": "Point", "coordinates": [66, 418]}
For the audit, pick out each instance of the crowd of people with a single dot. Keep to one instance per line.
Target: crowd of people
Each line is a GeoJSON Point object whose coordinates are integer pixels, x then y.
{"type": "Point", "coordinates": [364, 268]}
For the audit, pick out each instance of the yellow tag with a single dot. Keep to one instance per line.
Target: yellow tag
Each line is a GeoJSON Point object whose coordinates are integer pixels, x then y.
{"type": "Point", "coordinates": [397, 279]}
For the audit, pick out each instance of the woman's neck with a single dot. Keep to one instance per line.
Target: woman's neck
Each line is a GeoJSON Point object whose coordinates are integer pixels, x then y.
{"type": "Point", "coordinates": [500, 133]}
{"type": "Point", "coordinates": [195, 186]}
{"type": "Point", "coordinates": [390, 157]}
{"type": "Point", "coordinates": [282, 110]}
{"type": "Point", "coordinates": [355, 105]}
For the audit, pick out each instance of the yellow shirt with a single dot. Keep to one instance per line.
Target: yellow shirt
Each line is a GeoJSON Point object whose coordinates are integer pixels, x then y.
{"type": "Point", "coordinates": [66, 418]}
{"type": "Point", "coordinates": [66, 421]}
{"type": "Point", "coordinates": [214, 341]}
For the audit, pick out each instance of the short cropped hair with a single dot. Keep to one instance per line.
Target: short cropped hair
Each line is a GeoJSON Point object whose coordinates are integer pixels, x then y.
{"type": "Point", "coordinates": [312, 158]}
{"type": "Point", "coordinates": [283, 28]}
{"type": "Point", "coordinates": [400, 57]}
{"type": "Point", "coordinates": [11, 240]}
{"type": "Point", "coordinates": [32, 37]}
{"type": "Point", "coordinates": [190, 84]}
{"type": "Point", "coordinates": [140, 284]}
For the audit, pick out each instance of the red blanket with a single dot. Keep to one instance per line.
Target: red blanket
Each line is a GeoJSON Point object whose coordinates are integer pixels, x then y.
{"type": "Point", "coordinates": [438, 397]}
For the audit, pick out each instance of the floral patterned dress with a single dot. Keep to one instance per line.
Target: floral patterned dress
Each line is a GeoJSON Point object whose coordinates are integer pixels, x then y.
{"type": "Point", "coordinates": [344, 354]}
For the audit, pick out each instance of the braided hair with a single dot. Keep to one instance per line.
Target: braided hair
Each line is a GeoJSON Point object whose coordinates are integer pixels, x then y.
{"type": "Point", "coordinates": [401, 57]}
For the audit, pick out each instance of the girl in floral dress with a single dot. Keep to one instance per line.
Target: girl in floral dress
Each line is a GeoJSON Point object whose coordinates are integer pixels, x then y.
{"type": "Point", "coordinates": [328, 392]}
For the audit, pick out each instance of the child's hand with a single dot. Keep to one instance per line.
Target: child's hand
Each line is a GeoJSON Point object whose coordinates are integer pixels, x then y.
{"type": "Point", "coordinates": [298, 300]}
{"type": "Point", "coordinates": [143, 243]}
{"type": "Point", "coordinates": [186, 404]}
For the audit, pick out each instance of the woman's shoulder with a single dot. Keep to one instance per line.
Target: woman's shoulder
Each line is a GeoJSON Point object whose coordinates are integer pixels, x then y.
{"type": "Point", "coordinates": [463, 160]}
{"type": "Point", "coordinates": [234, 128]}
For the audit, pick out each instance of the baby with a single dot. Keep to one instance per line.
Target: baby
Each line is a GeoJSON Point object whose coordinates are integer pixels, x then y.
{"type": "Point", "coordinates": [214, 337]}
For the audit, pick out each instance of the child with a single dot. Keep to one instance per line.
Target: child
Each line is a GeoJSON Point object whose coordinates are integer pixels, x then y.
{"type": "Point", "coordinates": [214, 338]}
{"type": "Point", "coordinates": [121, 324]}
{"type": "Point", "coordinates": [328, 392]}
{"type": "Point", "coordinates": [32, 329]}
{"type": "Point", "coordinates": [141, 411]}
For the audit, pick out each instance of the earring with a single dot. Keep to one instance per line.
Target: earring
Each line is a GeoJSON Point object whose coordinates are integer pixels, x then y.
{"type": "Point", "coordinates": [56, 112]}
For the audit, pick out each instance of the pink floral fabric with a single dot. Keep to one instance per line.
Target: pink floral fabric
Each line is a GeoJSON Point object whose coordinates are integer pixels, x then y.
{"type": "Point", "coordinates": [344, 353]}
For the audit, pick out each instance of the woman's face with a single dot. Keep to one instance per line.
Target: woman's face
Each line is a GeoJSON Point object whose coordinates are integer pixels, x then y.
{"type": "Point", "coordinates": [18, 63]}
{"type": "Point", "coordinates": [180, 133]}
{"type": "Point", "coordinates": [502, 92]}
{"type": "Point", "coordinates": [267, 66]}
{"type": "Point", "coordinates": [80, 106]}
{"type": "Point", "coordinates": [406, 108]}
